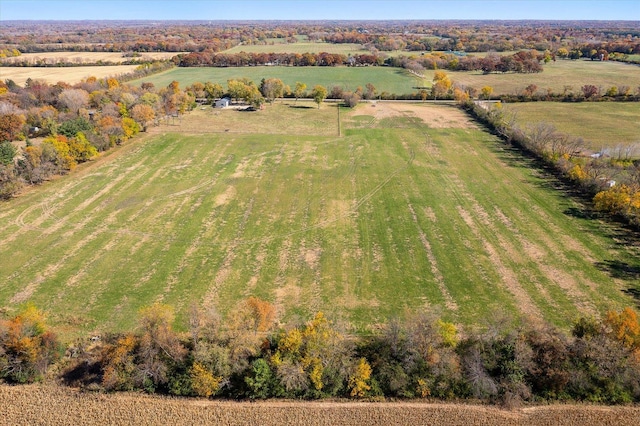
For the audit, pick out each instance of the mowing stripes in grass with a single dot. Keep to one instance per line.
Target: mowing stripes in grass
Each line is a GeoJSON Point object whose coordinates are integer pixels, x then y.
{"type": "Point", "coordinates": [394, 216]}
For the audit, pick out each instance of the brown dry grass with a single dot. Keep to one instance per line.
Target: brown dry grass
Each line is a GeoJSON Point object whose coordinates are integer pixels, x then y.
{"type": "Point", "coordinates": [302, 118]}
{"type": "Point", "coordinates": [87, 57]}
{"type": "Point", "coordinates": [436, 116]}
{"type": "Point", "coordinates": [54, 405]}
{"type": "Point", "coordinates": [70, 75]}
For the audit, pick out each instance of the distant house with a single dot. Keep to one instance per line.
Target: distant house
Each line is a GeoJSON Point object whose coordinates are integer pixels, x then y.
{"type": "Point", "coordinates": [223, 103]}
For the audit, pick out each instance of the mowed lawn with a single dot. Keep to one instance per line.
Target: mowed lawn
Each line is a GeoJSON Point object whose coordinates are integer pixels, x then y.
{"type": "Point", "coordinates": [602, 125]}
{"type": "Point", "coordinates": [399, 213]}
{"type": "Point", "coordinates": [385, 79]}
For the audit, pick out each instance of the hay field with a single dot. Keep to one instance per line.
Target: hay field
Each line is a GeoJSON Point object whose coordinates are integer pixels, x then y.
{"type": "Point", "coordinates": [84, 57]}
{"type": "Point", "coordinates": [600, 124]}
{"type": "Point", "coordinates": [70, 75]}
{"type": "Point", "coordinates": [413, 207]}
{"type": "Point", "coordinates": [52, 405]}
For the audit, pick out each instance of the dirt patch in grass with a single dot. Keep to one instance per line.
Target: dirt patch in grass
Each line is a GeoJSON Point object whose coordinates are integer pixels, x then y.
{"type": "Point", "coordinates": [435, 116]}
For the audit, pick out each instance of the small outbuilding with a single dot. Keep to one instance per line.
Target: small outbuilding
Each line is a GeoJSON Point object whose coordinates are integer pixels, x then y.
{"type": "Point", "coordinates": [223, 102]}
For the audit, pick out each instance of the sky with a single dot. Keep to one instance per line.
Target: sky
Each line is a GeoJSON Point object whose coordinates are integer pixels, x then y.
{"type": "Point", "coordinates": [314, 9]}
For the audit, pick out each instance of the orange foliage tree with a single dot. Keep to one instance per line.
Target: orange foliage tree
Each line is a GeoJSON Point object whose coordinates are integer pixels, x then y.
{"type": "Point", "coordinates": [625, 327]}
{"type": "Point", "coordinates": [27, 347]}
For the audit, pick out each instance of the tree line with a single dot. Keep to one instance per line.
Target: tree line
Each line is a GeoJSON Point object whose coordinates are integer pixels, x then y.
{"type": "Point", "coordinates": [249, 354]}
{"type": "Point", "coordinates": [520, 62]}
{"type": "Point", "coordinates": [611, 179]}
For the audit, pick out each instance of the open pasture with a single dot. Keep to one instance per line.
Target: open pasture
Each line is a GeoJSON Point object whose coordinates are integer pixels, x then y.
{"type": "Point", "coordinates": [391, 80]}
{"type": "Point", "coordinates": [70, 75]}
{"type": "Point", "coordinates": [278, 46]}
{"type": "Point", "coordinates": [557, 76]}
{"type": "Point", "coordinates": [600, 124]}
{"type": "Point", "coordinates": [413, 207]}
{"type": "Point", "coordinates": [300, 47]}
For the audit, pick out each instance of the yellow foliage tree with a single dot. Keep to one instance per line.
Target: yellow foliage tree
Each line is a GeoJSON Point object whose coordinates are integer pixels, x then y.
{"type": "Point", "coordinates": [203, 382]}
{"type": "Point", "coordinates": [64, 157]}
{"type": "Point", "coordinates": [359, 381]}
{"type": "Point", "coordinates": [615, 200]}
{"type": "Point", "coordinates": [130, 127]}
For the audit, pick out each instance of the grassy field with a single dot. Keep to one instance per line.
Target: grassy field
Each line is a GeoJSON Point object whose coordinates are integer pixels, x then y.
{"type": "Point", "coordinates": [301, 47]}
{"type": "Point", "coordinates": [70, 75]}
{"type": "Point", "coordinates": [278, 46]}
{"type": "Point", "coordinates": [392, 80]}
{"type": "Point", "coordinates": [556, 76]}
{"type": "Point", "coordinates": [413, 207]}
{"type": "Point", "coordinates": [600, 124]}
{"type": "Point", "coordinates": [31, 404]}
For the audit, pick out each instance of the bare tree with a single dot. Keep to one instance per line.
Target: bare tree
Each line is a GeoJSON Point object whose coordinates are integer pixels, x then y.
{"type": "Point", "coordinates": [74, 99]}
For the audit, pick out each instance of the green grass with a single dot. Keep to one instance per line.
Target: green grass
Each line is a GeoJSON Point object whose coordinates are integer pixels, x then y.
{"type": "Point", "coordinates": [301, 47]}
{"type": "Point", "coordinates": [391, 216]}
{"type": "Point", "coordinates": [556, 76]}
{"type": "Point", "coordinates": [392, 80]}
{"type": "Point", "coordinates": [304, 46]}
{"type": "Point", "coordinates": [559, 76]}
{"type": "Point", "coordinates": [600, 124]}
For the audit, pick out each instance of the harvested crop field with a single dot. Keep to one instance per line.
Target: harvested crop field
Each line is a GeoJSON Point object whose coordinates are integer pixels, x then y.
{"type": "Point", "coordinates": [52, 405]}
{"type": "Point", "coordinates": [84, 57]}
{"type": "Point", "coordinates": [70, 75]}
{"type": "Point", "coordinates": [411, 208]}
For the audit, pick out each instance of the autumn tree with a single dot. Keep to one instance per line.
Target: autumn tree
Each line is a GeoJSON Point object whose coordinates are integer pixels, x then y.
{"type": "Point", "coordinates": [81, 149]}
{"type": "Point", "coordinates": [213, 90]}
{"type": "Point", "coordinates": [143, 114]}
{"type": "Point", "coordinates": [10, 183]}
{"type": "Point", "coordinates": [272, 88]}
{"type": "Point", "coordinates": [441, 84]}
{"type": "Point", "coordinates": [27, 347]}
{"type": "Point", "coordinates": [159, 346]}
{"type": "Point", "coordinates": [350, 99]}
{"type": "Point", "coordinates": [64, 159]}
{"type": "Point", "coordinates": [370, 92]}
{"type": "Point", "coordinates": [316, 359]}
{"type": "Point", "coordinates": [360, 380]}
{"type": "Point", "coordinates": [590, 91]}
{"type": "Point", "coordinates": [625, 327]}
{"type": "Point", "coordinates": [319, 94]}
{"type": "Point", "coordinates": [486, 92]}
{"type": "Point", "coordinates": [74, 99]}
{"type": "Point", "coordinates": [300, 90]}
{"type": "Point", "coordinates": [10, 126]}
